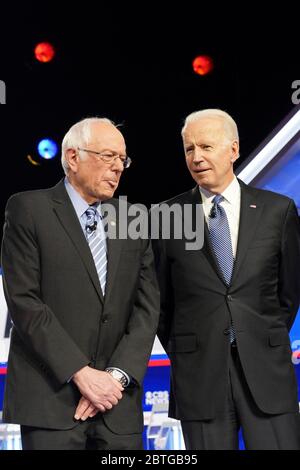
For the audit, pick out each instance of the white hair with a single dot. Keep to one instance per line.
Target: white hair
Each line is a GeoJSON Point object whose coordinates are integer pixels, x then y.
{"type": "Point", "coordinates": [229, 123]}
{"type": "Point", "coordinates": [79, 135]}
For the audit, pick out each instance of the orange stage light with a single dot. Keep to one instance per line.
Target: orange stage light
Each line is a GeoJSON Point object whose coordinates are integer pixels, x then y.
{"type": "Point", "coordinates": [203, 64]}
{"type": "Point", "coordinates": [44, 52]}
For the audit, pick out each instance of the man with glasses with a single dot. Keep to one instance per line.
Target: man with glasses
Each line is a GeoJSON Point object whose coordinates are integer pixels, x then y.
{"type": "Point", "coordinates": [84, 303]}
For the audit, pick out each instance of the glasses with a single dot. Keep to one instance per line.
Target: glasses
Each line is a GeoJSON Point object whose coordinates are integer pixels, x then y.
{"type": "Point", "coordinates": [109, 158]}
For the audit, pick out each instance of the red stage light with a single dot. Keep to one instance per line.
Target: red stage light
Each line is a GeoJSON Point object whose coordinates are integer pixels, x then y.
{"type": "Point", "coordinates": [203, 64]}
{"type": "Point", "coordinates": [44, 52]}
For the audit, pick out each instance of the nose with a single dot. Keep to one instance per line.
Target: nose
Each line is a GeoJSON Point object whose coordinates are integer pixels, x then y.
{"type": "Point", "coordinates": [197, 155]}
{"type": "Point", "coordinates": [118, 165]}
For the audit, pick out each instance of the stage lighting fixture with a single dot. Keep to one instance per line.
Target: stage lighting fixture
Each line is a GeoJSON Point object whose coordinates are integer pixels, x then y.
{"type": "Point", "coordinates": [44, 52]}
{"type": "Point", "coordinates": [203, 64]}
{"type": "Point", "coordinates": [47, 148]}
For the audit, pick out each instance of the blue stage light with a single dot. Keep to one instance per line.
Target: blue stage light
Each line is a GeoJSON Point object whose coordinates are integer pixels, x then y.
{"type": "Point", "coordinates": [47, 148]}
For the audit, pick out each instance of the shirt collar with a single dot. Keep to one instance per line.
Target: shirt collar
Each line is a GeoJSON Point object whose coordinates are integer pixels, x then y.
{"type": "Point", "coordinates": [80, 205]}
{"type": "Point", "coordinates": [230, 193]}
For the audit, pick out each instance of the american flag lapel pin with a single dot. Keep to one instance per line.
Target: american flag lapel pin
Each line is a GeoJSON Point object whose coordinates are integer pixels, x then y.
{"type": "Point", "coordinates": [253, 206]}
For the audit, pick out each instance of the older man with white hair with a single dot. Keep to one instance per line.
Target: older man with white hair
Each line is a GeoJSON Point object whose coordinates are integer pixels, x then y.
{"type": "Point", "coordinates": [84, 305]}
{"type": "Point", "coordinates": [227, 308]}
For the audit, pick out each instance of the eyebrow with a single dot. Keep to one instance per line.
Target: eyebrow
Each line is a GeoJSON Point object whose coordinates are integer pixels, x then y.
{"type": "Point", "coordinates": [111, 151]}
{"type": "Point", "coordinates": [189, 144]}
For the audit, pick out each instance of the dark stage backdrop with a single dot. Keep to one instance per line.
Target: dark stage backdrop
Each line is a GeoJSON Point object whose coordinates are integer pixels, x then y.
{"type": "Point", "coordinates": [133, 64]}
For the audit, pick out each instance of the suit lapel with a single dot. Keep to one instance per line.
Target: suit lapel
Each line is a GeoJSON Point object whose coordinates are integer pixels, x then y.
{"type": "Point", "coordinates": [250, 214]}
{"type": "Point", "coordinates": [67, 216]}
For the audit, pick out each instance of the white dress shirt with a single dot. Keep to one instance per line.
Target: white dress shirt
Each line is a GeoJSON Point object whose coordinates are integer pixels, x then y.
{"type": "Point", "coordinates": [231, 205]}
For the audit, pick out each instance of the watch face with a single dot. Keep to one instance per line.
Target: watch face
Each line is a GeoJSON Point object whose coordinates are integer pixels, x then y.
{"type": "Point", "coordinates": [118, 376]}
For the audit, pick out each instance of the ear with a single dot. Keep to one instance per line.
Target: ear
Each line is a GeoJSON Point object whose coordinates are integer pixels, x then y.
{"type": "Point", "coordinates": [72, 159]}
{"type": "Point", "coordinates": [235, 148]}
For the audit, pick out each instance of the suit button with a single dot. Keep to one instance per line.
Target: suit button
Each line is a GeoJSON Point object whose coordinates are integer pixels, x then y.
{"type": "Point", "coordinates": [105, 320]}
{"type": "Point", "coordinates": [229, 298]}
{"type": "Point", "coordinates": [226, 332]}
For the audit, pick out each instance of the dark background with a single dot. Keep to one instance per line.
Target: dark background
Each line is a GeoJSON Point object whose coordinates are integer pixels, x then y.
{"type": "Point", "coordinates": [133, 64]}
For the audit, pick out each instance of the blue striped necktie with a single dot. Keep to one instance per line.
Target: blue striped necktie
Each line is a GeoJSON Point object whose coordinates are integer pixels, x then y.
{"type": "Point", "coordinates": [221, 243]}
{"type": "Point", "coordinates": [97, 246]}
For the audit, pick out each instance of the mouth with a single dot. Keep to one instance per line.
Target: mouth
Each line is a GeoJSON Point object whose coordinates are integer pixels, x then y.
{"type": "Point", "coordinates": [112, 183]}
{"type": "Point", "coordinates": [203, 170]}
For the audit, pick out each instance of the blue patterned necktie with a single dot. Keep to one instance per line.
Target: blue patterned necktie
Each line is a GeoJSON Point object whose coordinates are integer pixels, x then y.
{"type": "Point", "coordinates": [97, 246]}
{"type": "Point", "coordinates": [221, 243]}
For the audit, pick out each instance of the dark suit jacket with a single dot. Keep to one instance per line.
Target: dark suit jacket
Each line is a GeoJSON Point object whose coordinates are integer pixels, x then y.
{"type": "Point", "coordinates": [61, 320]}
{"type": "Point", "coordinates": [262, 300]}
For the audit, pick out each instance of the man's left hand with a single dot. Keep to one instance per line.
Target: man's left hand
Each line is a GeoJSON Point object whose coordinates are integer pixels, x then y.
{"type": "Point", "coordinates": [85, 409]}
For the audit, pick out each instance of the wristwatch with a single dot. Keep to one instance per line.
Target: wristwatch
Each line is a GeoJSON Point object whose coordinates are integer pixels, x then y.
{"type": "Point", "coordinates": [116, 374]}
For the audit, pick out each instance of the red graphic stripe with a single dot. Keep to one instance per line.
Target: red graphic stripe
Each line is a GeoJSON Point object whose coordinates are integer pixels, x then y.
{"type": "Point", "coordinates": [158, 362]}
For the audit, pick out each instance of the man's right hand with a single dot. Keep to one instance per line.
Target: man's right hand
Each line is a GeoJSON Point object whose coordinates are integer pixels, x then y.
{"type": "Point", "coordinates": [99, 387]}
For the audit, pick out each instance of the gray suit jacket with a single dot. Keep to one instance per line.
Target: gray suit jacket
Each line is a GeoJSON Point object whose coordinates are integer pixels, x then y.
{"type": "Point", "coordinates": [62, 322]}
